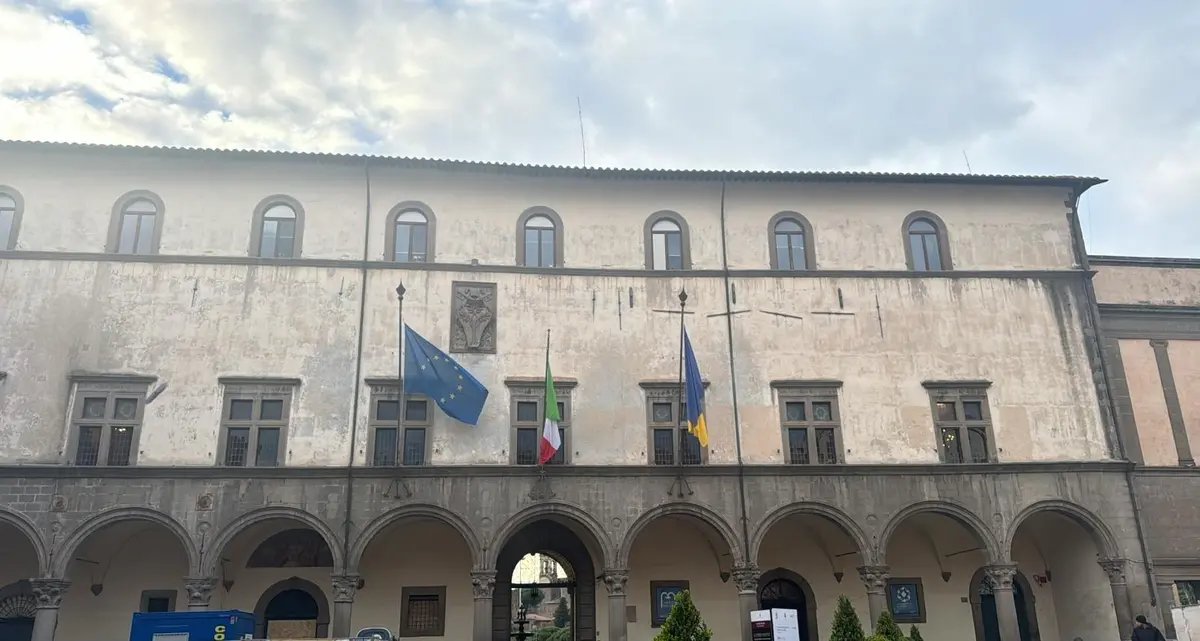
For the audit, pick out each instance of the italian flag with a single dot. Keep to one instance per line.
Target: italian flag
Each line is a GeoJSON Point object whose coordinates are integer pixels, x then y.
{"type": "Point", "coordinates": [551, 441]}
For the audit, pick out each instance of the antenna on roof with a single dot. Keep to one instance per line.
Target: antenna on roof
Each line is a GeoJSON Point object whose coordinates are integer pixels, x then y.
{"type": "Point", "coordinates": [968, 162]}
{"type": "Point", "coordinates": [582, 139]}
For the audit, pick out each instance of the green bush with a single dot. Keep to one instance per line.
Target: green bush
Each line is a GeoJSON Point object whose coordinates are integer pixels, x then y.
{"type": "Point", "coordinates": [914, 634]}
{"type": "Point", "coordinates": [684, 622]}
{"type": "Point", "coordinates": [886, 628]}
{"type": "Point", "coordinates": [552, 634]}
{"type": "Point", "coordinates": [846, 626]}
{"type": "Point", "coordinates": [562, 614]}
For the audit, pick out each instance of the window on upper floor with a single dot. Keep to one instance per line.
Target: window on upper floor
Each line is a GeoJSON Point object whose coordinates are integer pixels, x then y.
{"type": "Point", "coordinates": [539, 238]}
{"type": "Point", "coordinates": [811, 422]}
{"type": "Point", "coordinates": [136, 225]}
{"type": "Point", "coordinates": [667, 242]}
{"type": "Point", "coordinates": [527, 415]}
{"type": "Point", "coordinates": [962, 420]}
{"type": "Point", "coordinates": [106, 419]}
{"type": "Point", "coordinates": [926, 246]}
{"type": "Point", "coordinates": [11, 208]}
{"type": "Point", "coordinates": [670, 442]}
{"type": "Point", "coordinates": [395, 441]}
{"type": "Point", "coordinates": [278, 228]}
{"type": "Point", "coordinates": [410, 233]}
{"type": "Point", "coordinates": [254, 422]}
{"type": "Point", "coordinates": [791, 242]}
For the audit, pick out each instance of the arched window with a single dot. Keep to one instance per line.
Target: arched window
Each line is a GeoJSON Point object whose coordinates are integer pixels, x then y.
{"type": "Point", "coordinates": [539, 238]}
{"type": "Point", "coordinates": [791, 242]}
{"type": "Point", "coordinates": [11, 208]}
{"type": "Point", "coordinates": [412, 234]}
{"type": "Point", "coordinates": [667, 242]}
{"type": "Point", "coordinates": [278, 228]}
{"type": "Point", "coordinates": [136, 225]}
{"type": "Point", "coordinates": [927, 249]}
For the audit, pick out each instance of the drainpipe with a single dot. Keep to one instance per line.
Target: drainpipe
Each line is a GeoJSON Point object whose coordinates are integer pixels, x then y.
{"type": "Point", "coordinates": [1093, 318]}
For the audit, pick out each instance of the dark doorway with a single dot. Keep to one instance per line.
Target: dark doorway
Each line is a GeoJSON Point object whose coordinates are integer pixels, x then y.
{"type": "Point", "coordinates": [987, 622]}
{"type": "Point", "coordinates": [785, 589]}
{"type": "Point", "coordinates": [564, 545]}
{"type": "Point", "coordinates": [292, 609]}
{"type": "Point", "coordinates": [17, 610]}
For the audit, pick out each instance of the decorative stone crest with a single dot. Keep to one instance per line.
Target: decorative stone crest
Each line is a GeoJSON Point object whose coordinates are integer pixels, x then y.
{"type": "Point", "coordinates": [541, 490]}
{"type": "Point", "coordinates": [1114, 568]}
{"type": "Point", "coordinates": [1001, 576]}
{"type": "Point", "coordinates": [875, 577]}
{"type": "Point", "coordinates": [615, 580]}
{"type": "Point", "coordinates": [344, 588]}
{"type": "Point", "coordinates": [483, 584]}
{"type": "Point", "coordinates": [49, 592]}
{"type": "Point", "coordinates": [204, 503]}
{"type": "Point", "coordinates": [199, 590]}
{"type": "Point", "coordinates": [746, 577]}
{"type": "Point", "coordinates": [58, 503]}
{"type": "Point", "coordinates": [473, 314]}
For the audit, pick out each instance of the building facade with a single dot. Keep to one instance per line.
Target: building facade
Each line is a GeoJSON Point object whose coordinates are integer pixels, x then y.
{"type": "Point", "coordinates": [908, 399]}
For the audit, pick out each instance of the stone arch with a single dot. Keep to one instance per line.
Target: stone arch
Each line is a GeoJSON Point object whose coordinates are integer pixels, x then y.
{"type": "Point", "coordinates": [810, 598]}
{"type": "Point", "coordinates": [974, 598]}
{"type": "Point", "coordinates": [1106, 543]}
{"type": "Point", "coordinates": [414, 511]}
{"type": "Point", "coordinates": [838, 517]}
{"type": "Point", "coordinates": [212, 553]}
{"type": "Point", "coordinates": [580, 521]}
{"type": "Point", "coordinates": [294, 583]}
{"type": "Point", "coordinates": [703, 514]}
{"type": "Point", "coordinates": [964, 516]}
{"type": "Point", "coordinates": [26, 527]}
{"type": "Point", "coordinates": [66, 551]}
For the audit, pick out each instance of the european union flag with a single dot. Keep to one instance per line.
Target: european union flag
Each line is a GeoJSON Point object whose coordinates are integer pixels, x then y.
{"type": "Point", "coordinates": [694, 393]}
{"type": "Point", "coordinates": [430, 371]}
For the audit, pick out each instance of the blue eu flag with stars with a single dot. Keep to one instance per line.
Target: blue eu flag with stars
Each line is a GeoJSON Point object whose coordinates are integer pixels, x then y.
{"type": "Point", "coordinates": [430, 371]}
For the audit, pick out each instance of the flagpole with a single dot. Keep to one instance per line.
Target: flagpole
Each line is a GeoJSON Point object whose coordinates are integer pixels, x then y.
{"type": "Point", "coordinates": [400, 374]}
{"type": "Point", "coordinates": [679, 405]}
{"type": "Point", "coordinates": [545, 408]}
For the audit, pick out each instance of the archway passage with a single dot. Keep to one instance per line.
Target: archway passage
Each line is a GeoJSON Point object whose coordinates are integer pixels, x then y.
{"type": "Point", "coordinates": [292, 609]}
{"type": "Point", "coordinates": [560, 543]}
{"type": "Point", "coordinates": [983, 607]}
{"type": "Point", "coordinates": [17, 611]}
{"type": "Point", "coordinates": [542, 593]}
{"type": "Point", "coordinates": [786, 590]}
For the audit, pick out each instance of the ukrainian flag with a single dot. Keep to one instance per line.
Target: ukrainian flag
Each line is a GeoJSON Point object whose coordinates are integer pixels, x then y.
{"type": "Point", "coordinates": [695, 393]}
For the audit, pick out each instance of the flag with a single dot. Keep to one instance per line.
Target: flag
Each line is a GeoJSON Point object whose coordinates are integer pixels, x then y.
{"type": "Point", "coordinates": [430, 371]}
{"type": "Point", "coordinates": [695, 393]}
{"type": "Point", "coordinates": [551, 439]}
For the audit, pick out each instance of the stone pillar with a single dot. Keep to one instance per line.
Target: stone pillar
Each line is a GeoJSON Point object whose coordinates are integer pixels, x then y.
{"type": "Point", "coordinates": [482, 585]}
{"type": "Point", "coordinates": [344, 589]}
{"type": "Point", "coordinates": [1001, 578]}
{"type": "Point", "coordinates": [48, 593]}
{"type": "Point", "coordinates": [199, 592]}
{"type": "Point", "coordinates": [1115, 568]}
{"type": "Point", "coordinates": [1166, 599]}
{"type": "Point", "coordinates": [618, 624]}
{"type": "Point", "coordinates": [746, 577]}
{"type": "Point", "coordinates": [875, 577]}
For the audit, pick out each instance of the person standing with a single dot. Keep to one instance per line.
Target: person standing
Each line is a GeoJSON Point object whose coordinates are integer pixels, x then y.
{"type": "Point", "coordinates": [1143, 630]}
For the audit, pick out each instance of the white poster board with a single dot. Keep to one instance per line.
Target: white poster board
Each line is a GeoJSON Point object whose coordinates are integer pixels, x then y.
{"type": "Point", "coordinates": [776, 624]}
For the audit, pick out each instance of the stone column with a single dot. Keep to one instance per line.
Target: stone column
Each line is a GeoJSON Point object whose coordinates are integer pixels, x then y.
{"type": "Point", "coordinates": [344, 589]}
{"type": "Point", "coordinates": [1001, 578]}
{"type": "Point", "coordinates": [199, 592]}
{"type": "Point", "coordinates": [1166, 598]}
{"type": "Point", "coordinates": [1115, 568]}
{"type": "Point", "coordinates": [746, 577]}
{"type": "Point", "coordinates": [483, 584]}
{"type": "Point", "coordinates": [875, 577]}
{"type": "Point", "coordinates": [48, 593]}
{"type": "Point", "coordinates": [618, 624]}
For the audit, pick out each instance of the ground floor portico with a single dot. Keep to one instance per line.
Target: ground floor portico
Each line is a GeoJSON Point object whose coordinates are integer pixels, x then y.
{"type": "Point", "coordinates": [1038, 553]}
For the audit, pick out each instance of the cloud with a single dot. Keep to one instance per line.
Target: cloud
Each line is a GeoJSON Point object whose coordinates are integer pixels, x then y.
{"type": "Point", "coordinates": [1101, 87]}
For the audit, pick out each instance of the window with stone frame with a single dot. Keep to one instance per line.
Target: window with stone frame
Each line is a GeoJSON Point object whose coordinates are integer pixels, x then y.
{"type": "Point", "coordinates": [422, 612]}
{"type": "Point", "coordinates": [394, 441]}
{"type": "Point", "coordinates": [811, 421]}
{"type": "Point", "coordinates": [527, 416]}
{"type": "Point", "coordinates": [962, 420]}
{"type": "Point", "coordinates": [255, 417]}
{"type": "Point", "coordinates": [106, 419]}
{"type": "Point", "coordinates": [1189, 593]}
{"type": "Point", "coordinates": [668, 440]}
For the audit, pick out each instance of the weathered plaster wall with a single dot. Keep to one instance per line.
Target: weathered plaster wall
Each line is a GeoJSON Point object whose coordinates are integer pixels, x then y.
{"type": "Point", "coordinates": [1149, 404]}
{"type": "Point", "coordinates": [1147, 284]}
{"type": "Point", "coordinates": [1185, 366]}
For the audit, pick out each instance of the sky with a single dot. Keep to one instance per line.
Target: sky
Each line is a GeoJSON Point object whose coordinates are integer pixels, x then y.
{"type": "Point", "coordinates": [1106, 88]}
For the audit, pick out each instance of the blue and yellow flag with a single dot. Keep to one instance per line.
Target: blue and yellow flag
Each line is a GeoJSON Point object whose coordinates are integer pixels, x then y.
{"type": "Point", "coordinates": [695, 393]}
{"type": "Point", "coordinates": [430, 371]}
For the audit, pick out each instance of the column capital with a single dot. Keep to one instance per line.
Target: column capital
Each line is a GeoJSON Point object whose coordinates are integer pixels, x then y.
{"type": "Point", "coordinates": [1001, 576]}
{"type": "Point", "coordinates": [345, 587]}
{"type": "Point", "coordinates": [49, 592]}
{"type": "Point", "coordinates": [615, 580]}
{"type": "Point", "coordinates": [1114, 567]}
{"type": "Point", "coordinates": [199, 590]}
{"type": "Point", "coordinates": [875, 577]}
{"type": "Point", "coordinates": [746, 577]}
{"type": "Point", "coordinates": [483, 584]}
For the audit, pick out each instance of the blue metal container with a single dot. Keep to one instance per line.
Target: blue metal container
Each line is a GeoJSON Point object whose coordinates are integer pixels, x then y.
{"type": "Point", "coordinates": [209, 625]}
